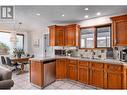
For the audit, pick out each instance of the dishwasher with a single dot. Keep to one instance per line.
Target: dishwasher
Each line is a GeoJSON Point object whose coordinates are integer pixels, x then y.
{"type": "Point", "coordinates": [49, 71]}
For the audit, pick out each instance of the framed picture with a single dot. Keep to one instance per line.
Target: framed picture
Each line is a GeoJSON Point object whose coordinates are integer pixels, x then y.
{"type": "Point", "coordinates": [36, 43]}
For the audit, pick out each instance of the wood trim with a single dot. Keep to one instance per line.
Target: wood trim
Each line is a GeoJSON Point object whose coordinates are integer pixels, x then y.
{"type": "Point", "coordinates": [95, 37]}
{"type": "Point", "coordinates": [96, 26]}
{"type": "Point", "coordinates": [119, 17]}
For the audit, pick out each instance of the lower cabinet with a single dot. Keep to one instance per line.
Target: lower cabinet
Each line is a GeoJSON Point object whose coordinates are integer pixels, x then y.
{"type": "Point", "coordinates": [72, 69]}
{"type": "Point", "coordinates": [61, 69]}
{"type": "Point", "coordinates": [113, 76]}
{"type": "Point", "coordinates": [97, 74]}
{"type": "Point", "coordinates": [36, 73]}
{"type": "Point", "coordinates": [102, 75]}
{"type": "Point", "coordinates": [83, 72]}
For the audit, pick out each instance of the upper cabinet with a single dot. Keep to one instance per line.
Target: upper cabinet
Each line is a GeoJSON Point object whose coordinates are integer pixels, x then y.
{"type": "Point", "coordinates": [72, 35]}
{"type": "Point", "coordinates": [56, 35]}
{"type": "Point", "coordinates": [64, 35]}
{"type": "Point", "coordinates": [119, 30]}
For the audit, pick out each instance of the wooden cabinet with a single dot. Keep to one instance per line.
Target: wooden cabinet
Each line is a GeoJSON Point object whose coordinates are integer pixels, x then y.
{"type": "Point", "coordinates": [64, 35]}
{"type": "Point", "coordinates": [36, 73]}
{"type": "Point", "coordinates": [97, 74]}
{"type": "Point", "coordinates": [119, 30]}
{"type": "Point", "coordinates": [113, 76]}
{"type": "Point", "coordinates": [61, 69]}
{"type": "Point", "coordinates": [72, 69]}
{"type": "Point", "coordinates": [83, 72]}
{"type": "Point", "coordinates": [72, 35]}
{"type": "Point", "coordinates": [56, 35]}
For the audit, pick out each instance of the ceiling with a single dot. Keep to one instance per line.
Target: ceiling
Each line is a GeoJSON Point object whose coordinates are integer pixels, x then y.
{"type": "Point", "coordinates": [53, 15]}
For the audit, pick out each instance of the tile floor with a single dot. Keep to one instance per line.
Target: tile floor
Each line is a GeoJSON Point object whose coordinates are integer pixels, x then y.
{"type": "Point", "coordinates": [22, 83]}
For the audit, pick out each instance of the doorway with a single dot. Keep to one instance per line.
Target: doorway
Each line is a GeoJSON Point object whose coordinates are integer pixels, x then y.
{"type": "Point", "coordinates": [48, 50]}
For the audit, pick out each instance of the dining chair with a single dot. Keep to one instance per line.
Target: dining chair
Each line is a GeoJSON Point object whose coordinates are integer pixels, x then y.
{"type": "Point", "coordinates": [9, 63]}
{"type": "Point", "coordinates": [25, 63]}
{"type": "Point", "coordinates": [32, 56]}
{"type": "Point", "coordinates": [3, 60]}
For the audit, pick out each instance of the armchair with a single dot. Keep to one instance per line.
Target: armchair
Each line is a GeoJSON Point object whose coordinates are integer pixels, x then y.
{"type": "Point", "coordinates": [6, 81]}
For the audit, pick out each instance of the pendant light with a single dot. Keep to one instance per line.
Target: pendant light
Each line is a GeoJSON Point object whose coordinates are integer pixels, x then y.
{"type": "Point", "coordinates": [13, 37]}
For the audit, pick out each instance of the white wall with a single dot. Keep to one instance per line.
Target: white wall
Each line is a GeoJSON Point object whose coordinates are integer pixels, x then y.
{"type": "Point", "coordinates": [95, 21]}
{"type": "Point", "coordinates": [38, 35]}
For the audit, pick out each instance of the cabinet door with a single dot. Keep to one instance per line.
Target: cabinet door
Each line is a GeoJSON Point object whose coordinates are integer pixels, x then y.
{"type": "Point", "coordinates": [61, 72]}
{"type": "Point", "coordinates": [72, 70]}
{"type": "Point", "coordinates": [119, 31]}
{"type": "Point", "coordinates": [52, 35]}
{"type": "Point", "coordinates": [97, 75]}
{"type": "Point", "coordinates": [72, 35]}
{"type": "Point", "coordinates": [114, 80]}
{"type": "Point", "coordinates": [36, 74]}
{"type": "Point", "coordinates": [60, 36]}
{"type": "Point", "coordinates": [113, 76]}
{"type": "Point", "coordinates": [83, 72]}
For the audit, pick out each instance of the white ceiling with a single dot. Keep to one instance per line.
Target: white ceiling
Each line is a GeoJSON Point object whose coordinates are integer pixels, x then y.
{"type": "Point", "coordinates": [52, 15]}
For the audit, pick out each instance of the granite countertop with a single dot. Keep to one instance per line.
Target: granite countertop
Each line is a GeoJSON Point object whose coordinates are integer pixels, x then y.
{"type": "Point", "coordinates": [111, 61]}
{"type": "Point", "coordinates": [42, 59]}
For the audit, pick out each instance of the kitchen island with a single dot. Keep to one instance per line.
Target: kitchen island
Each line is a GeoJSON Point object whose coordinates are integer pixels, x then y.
{"type": "Point", "coordinates": [106, 74]}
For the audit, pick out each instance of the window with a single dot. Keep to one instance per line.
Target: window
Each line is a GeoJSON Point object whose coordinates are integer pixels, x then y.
{"type": "Point", "coordinates": [96, 37]}
{"type": "Point", "coordinates": [20, 41]}
{"type": "Point", "coordinates": [5, 44]}
{"type": "Point", "coordinates": [103, 36]}
{"type": "Point", "coordinates": [87, 38]}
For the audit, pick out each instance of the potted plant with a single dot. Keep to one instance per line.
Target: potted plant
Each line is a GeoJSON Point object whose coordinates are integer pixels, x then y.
{"type": "Point", "coordinates": [18, 52]}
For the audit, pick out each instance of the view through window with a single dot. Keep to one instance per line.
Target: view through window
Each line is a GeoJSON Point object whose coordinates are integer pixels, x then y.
{"type": "Point", "coordinates": [6, 45]}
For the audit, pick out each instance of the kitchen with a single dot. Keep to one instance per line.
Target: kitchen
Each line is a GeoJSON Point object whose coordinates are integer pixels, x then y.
{"type": "Point", "coordinates": [77, 47]}
{"type": "Point", "coordinates": [93, 55]}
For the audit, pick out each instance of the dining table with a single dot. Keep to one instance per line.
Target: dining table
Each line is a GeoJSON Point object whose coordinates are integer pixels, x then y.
{"type": "Point", "coordinates": [21, 61]}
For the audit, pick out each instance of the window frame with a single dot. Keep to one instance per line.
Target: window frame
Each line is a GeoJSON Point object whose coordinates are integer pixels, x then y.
{"type": "Point", "coordinates": [110, 35]}
{"type": "Point", "coordinates": [95, 36]}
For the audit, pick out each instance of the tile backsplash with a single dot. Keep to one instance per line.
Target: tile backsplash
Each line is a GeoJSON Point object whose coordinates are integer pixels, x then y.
{"type": "Point", "coordinates": [102, 54]}
{"type": "Point", "coordinates": [112, 53]}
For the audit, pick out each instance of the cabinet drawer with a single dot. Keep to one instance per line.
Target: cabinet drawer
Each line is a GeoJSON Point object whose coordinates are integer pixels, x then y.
{"type": "Point", "coordinates": [73, 62]}
{"type": "Point", "coordinates": [97, 65]}
{"type": "Point", "coordinates": [114, 67]}
{"type": "Point", "coordinates": [83, 64]}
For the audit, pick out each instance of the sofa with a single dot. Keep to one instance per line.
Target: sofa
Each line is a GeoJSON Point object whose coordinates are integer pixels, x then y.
{"type": "Point", "coordinates": [6, 81]}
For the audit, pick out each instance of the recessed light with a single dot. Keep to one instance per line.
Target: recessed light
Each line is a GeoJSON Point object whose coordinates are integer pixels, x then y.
{"type": "Point", "coordinates": [63, 15]}
{"type": "Point", "coordinates": [86, 9]}
{"type": "Point", "coordinates": [86, 16]}
{"type": "Point", "coordinates": [98, 13]}
{"type": "Point", "coordinates": [38, 14]}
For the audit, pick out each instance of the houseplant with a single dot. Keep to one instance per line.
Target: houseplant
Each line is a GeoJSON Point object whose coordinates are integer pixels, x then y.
{"type": "Point", "coordinates": [18, 52]}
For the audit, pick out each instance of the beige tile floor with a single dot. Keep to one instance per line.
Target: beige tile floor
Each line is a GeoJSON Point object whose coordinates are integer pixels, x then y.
{"type": "Point", "coordinates": [21, 82]}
